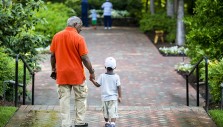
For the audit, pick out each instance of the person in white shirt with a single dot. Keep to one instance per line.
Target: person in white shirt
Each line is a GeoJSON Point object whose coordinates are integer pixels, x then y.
{"type": "Point", "coordinates": [107, 8]}
{"type": "Point", "coordinates": [110, 92]}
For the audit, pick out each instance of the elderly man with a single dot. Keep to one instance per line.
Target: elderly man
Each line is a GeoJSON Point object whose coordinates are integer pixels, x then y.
{"type": "Point", "coordinates": [69, 54]}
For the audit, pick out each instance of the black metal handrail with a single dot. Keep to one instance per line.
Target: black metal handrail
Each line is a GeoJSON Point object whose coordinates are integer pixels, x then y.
{"type": "Point", "coordinates": [24, 79]}
{"type": "Point", "coordinates": [196, 66]}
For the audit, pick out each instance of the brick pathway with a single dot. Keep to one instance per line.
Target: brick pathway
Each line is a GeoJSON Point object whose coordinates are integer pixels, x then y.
{"type": "Point", "coordinates": [153, 92]}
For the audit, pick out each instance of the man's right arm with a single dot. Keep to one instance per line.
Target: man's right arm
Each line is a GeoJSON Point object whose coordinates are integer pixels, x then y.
{"type": "Point", "coordinates": [53, 62]}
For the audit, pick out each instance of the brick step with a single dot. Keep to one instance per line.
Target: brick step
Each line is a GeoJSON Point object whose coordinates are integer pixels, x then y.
{"type": "Point", "coordinates": [129, 116]}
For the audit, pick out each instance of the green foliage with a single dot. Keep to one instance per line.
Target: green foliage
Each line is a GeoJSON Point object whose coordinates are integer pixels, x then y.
{"type": "Point", "coordinates": [55, 16]}
{"type": "Point", "coordinates": [217, 116]}
{"type": "Point", "coordinates": [7, 67]}
{"type": "Point", "coordinates": [205, 36]}
{"type": "Point", "coordinates": [215, 76]}
{"type": "Point", "coordinates": [75, 6]}
{"type": "Point", "coordinates": [5, 114]}
{"type": "Point", "coordinates": [133, 8]}
{"type": "Point", "coordinates": [159, 21]}
{"type": "Point", "coordinates": [17, 28]}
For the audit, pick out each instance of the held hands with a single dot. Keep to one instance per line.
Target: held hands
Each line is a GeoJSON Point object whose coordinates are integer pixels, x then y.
{"type": "Point", "coordinates": [119, 99]}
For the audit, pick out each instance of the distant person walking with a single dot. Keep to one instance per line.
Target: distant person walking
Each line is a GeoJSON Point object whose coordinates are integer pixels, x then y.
{"type": "Point", "coordinates": [68, 54]}
{"type": "Point", "coordinates": [110, 92]}
{"type": "Point", "coordinates": [107, 12]}
{"type": "Point", "coordinates": [84, 12]}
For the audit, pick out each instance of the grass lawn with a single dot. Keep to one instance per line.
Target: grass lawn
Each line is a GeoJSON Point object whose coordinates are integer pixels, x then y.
{"type": "Point", "coordinates": [5, 114]}
{"type": "Point", "coordinates": [217, 116]}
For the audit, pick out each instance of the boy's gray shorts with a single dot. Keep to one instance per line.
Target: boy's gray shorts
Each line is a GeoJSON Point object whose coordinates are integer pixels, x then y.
{"type": "Point", "coordinates": [110, 109]}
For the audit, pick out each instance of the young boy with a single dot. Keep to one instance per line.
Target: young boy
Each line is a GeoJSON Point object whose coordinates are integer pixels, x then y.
{"type": "Point", "coordinates": [110, 92]}
{"type": "Point", "coordinates": [94, 16]}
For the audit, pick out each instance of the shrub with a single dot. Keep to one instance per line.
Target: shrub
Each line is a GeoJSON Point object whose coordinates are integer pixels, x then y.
{"type": "Point", "coordinates": [55, 15]}
{"type": "Point", "coordinates": [215, 76]}
{"type": "Point", "coordinates": [205, 36]}
{"type": "Point", "coordinates": [17, 28]}
{"type": "Point", "coordinates": [175, 50]}
{"type": "Point", "coordinates": [7, 67]}
{"type": "Point", "coordinates": [184, 67]}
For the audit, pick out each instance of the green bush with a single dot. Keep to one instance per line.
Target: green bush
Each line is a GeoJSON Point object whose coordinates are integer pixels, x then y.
{"type": "Point", "coordinates": [75, 6]}
{"type": "Point", "coordinates": [205, 36]}
{"type": "Point", "coordinates": [217, 116]}
{"type": "Point", "coordinates": [17, 25]}
{"type": "Point", "coordinates": [159, 21]}
{"type": "Point", "coordinates": [7, 67]}
{"type": "Point", "coordinates": [55, 15]}
{"type": "Point", "coordinates": [215, 76]}
{"type": "Point", "coordinates": [5, 114]}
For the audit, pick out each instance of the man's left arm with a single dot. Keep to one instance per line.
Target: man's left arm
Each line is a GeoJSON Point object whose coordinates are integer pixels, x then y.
{"type": "Point", "coordinates": [87, 64]}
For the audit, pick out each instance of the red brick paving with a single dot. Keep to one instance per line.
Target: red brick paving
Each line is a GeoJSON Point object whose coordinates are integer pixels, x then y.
{"type": "Point", "coordinates": [154, 94]}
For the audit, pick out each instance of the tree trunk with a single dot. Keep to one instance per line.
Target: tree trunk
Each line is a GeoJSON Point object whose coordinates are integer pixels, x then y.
{"type": "Point", "coordinates": [180, 25]}
{"type": "Point", "coordinates": [170, 8]}
{"type": "Point", "coordinates": [152, 7]}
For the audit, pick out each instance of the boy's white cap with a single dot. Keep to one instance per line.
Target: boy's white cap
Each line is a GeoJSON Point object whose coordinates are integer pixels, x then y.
{"type": "Point", "coordinates": [110, 62]}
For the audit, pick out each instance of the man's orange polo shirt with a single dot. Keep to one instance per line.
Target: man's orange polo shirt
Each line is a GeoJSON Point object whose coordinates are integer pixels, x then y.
{"type": "Point", "coordinates": [68, 47]}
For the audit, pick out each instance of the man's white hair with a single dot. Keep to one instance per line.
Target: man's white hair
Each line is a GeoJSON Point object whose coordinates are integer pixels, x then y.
{"type": "Point", "coordinates": [74, 19]}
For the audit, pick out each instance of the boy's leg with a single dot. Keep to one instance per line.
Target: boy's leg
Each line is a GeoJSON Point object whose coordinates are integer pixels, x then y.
{"type": "Point", "coordinates": [105, 113]}
{"type": "Point", "coordinates": [113, 111]}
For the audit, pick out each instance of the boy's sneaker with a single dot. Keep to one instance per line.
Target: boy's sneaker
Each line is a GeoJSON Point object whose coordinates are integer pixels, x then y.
{"type": "Point", "coordinates": [107, 125]}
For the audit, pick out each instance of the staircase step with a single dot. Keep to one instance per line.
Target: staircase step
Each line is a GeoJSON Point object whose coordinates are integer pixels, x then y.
{"type": "Point", "coordinates": [129, 116]}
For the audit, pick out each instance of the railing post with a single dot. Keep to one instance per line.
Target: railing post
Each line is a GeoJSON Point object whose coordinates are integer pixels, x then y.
{"type": "Point", "coordinates": [187, 90]}
{"type": "Point", "coordinates": [33, 81]}
{"type": "Point", "coordinates": [198, 85]}
{"type": "Point", "coordinates": [206, 84]}
{"type": "Point", "coordinates": [16, 79]}
{"type": "Point", "coordinates": [24, 84]}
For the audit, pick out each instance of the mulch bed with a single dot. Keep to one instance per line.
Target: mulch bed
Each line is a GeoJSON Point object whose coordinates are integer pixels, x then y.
{"type": "Point", "coordinates": [6, 103]}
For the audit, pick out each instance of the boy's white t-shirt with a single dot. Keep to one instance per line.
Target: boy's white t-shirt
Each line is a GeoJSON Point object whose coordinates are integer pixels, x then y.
{"type": "Point", "coordinates": [94, 16]}
{"type": "Point", "coordinates": [109, 83]}
{"type": "Point", "coordinates": [107, 6]}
